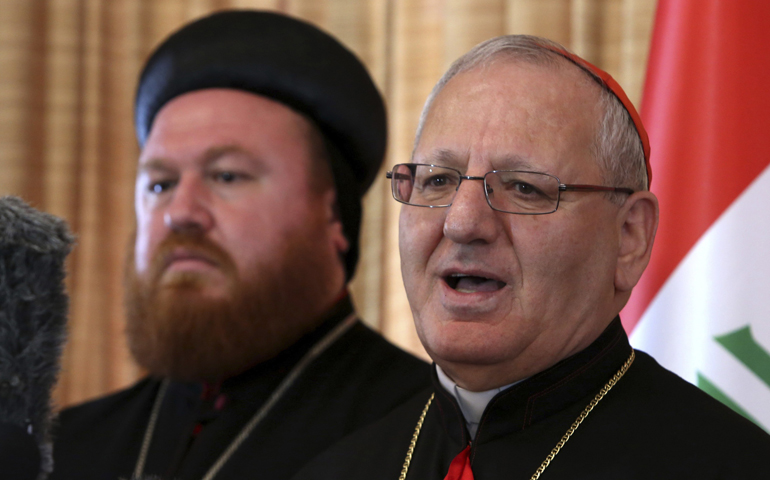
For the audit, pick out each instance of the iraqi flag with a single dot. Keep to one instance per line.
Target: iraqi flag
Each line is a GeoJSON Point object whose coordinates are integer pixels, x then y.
{"type": "Point", "coordinates": [702, 308]}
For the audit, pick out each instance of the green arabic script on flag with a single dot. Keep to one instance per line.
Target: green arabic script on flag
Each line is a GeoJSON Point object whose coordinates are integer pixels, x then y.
{"type": "Point", "coordinates": [744, 347]}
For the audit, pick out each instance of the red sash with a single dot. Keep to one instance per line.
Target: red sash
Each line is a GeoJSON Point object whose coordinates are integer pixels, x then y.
{"type": "Point", "coordinates": [460, 468]}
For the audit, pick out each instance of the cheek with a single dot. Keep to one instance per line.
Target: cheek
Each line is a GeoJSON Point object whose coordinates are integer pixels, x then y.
{"type": "Point", "coordinates": [246, 234]}
{"type": "Point", "coordinates": [141, 254]}
{"type": "Point", "coordinates": [418, 238]}
{"type": "Point", "coordinates": [255, 234]}
{"type": "Point", "coordinates": [565, 263]}
{"type": "Point", "coordinates": [149, 230]}
{"type": "Point", "coordinates": [537, 242]}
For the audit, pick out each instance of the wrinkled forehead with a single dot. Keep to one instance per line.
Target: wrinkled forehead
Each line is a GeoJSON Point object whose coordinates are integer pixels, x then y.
{"type": "Point", "coordinates": [203, 127]}
{"type": "Point", "coordinates": [513, 111]}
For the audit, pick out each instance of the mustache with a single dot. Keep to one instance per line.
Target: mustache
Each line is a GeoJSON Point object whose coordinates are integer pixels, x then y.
{"type": "Point", "coordinates": [193, 245]}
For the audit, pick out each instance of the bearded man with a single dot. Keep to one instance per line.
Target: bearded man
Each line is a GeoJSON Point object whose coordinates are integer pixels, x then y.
{"type": "Point", "coordinates": [527, 221]}
{"type": "Point", "coordinates": [259, 135]}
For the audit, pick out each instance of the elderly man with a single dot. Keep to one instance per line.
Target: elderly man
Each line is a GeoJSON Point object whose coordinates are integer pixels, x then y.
{"type": "Point", "coordinates": [527, 222]}
{"type": "Point", "coordinates": [259, 135]}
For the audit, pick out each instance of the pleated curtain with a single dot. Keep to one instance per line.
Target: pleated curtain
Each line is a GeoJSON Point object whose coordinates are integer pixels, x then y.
{"type": "Point", "coordinates": [68, 71]}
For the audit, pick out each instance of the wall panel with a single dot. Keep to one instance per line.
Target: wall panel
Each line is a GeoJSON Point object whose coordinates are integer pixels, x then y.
{"type": "Point", "coordinates": [68, 71]}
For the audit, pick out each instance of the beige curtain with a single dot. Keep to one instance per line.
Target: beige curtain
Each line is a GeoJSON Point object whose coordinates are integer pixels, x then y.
{"type": "Point", "coordinates": [67, 76]}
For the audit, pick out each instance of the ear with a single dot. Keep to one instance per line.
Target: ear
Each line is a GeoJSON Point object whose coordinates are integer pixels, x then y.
{"type": "Point", "coordinates": [638, 222]}
{"type": "Point", "coordinates": [334, 223]}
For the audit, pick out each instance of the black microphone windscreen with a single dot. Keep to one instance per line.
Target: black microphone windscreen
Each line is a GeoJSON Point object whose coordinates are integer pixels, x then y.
{"type": "Point", "coordinates": [33, 315]}
{"type": "Point", "coordinates": [19, 453]}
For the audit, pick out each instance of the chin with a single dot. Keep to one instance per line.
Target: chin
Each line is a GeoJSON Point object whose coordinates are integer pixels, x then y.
{"type": "Point", "coordinates": [464, 342]}
{"type": "Point", "coordinates": [195, 296]}
{"type": "Point", "coordinates": [467, 355]}
{"type": "Point", "coordinates": [196, 284]}
{"type": "Point", "coordinates": [191, 279]}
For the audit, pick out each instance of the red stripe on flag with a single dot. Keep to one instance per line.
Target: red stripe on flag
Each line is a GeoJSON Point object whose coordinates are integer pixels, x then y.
{"type": "Point", "coordinates": [705, 107]}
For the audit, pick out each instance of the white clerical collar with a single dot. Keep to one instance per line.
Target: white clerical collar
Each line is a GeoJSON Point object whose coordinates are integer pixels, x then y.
{"type": "Point", "coordinates": [472, 404]}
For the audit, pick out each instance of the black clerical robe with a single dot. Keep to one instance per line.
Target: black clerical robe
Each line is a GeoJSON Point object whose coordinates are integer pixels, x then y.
{"type": "Point", "coordinates": [356, 381]}
{"type": "Point", "coordinates": [651, 425]}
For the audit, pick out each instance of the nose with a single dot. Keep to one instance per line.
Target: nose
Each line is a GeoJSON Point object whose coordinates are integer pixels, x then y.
{"type": "Point", "coordinates": [470, 219]}
{"type": "Point", "coordinates": [189, 210]}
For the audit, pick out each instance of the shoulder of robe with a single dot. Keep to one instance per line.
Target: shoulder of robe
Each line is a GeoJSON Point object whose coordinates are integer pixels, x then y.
{"type": "Point", "coordinates": [364, 342]}
{"type": "Point", "coordinates": [81, 417]}
{"type": "Point", "coordinates": [678, 418]}
{"type": "Point", "coordinates": [367, 356]}
{"type": "Point", "coordinates": [375, 452]}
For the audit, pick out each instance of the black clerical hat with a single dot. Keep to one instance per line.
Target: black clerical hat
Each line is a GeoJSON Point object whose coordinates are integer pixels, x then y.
{"type": "Point", "coordinates": [292, 62]}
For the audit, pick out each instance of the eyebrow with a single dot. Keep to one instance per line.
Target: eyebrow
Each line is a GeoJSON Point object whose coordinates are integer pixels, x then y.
{"type": "Point", "coordinates": [159, 164]}
{"type": "Point", "coordinates": [449, 158]}
{"type": "Point", "coordinates": [215, 153]}
{"type": "Point", "coordinates": [446, 158]}
{"type": "Point", "coordinates": [154, 165]}
{"type": "Point", "coordinates": [516, 162]}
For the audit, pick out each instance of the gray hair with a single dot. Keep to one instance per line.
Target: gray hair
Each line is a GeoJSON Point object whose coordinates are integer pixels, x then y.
{"type": "Point", "coordinates": [617, 146]}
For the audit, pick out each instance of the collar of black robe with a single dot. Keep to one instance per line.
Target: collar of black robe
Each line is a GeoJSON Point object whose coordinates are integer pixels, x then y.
{"type": "Point", "coordinates": [249, 390]}
{"type": "Point", "coordinates": [267, 375]}
{"type": "Point", "coordinates": [282, 364]}
{"type": "Point", "coordinates": [561, 386]}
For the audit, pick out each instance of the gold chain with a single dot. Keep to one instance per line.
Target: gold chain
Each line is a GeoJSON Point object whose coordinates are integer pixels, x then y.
{"type": "Point", "coordinates": [583, 415]}
{"type": "Point", "coordinates": [414, 438]}
{"type": "Point", "coordinates": [556, 449]}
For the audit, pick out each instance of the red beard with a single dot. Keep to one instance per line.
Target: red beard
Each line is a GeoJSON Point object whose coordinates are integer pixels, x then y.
{"type": "Point", "coordinates": [175, 331]}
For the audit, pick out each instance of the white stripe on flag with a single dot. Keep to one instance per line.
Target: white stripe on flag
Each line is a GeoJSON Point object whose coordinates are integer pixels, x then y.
{"type": "Point", "coordinates": [722, 285]}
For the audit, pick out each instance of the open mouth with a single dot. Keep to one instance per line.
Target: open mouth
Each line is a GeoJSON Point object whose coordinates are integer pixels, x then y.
{"type": "Point", "coordinates": [472, 283]}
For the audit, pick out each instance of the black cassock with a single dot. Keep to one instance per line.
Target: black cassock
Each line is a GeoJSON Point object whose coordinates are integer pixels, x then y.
{"type": "Point", "coordinates": [356, 381]}
{"type": "Point", "coordinates": [651, 425]}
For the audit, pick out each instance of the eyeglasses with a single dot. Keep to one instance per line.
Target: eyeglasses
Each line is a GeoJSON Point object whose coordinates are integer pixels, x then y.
{"type": "Point", "coordinates": [509, 191]}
